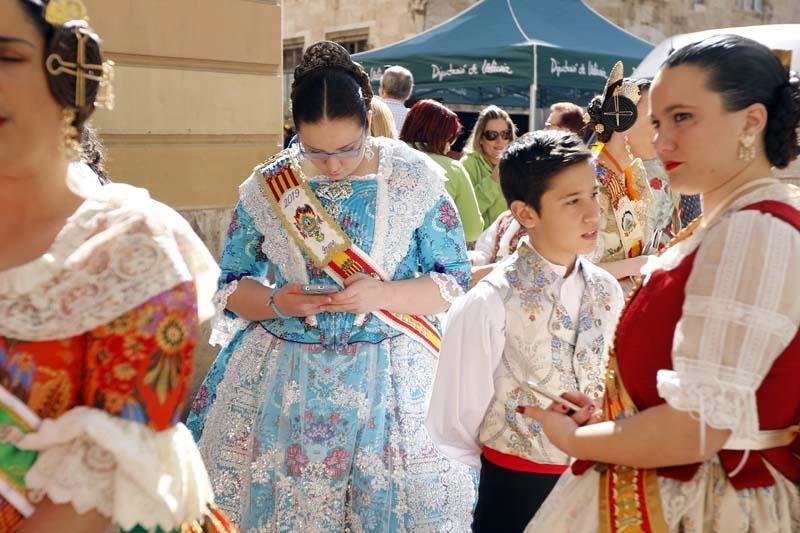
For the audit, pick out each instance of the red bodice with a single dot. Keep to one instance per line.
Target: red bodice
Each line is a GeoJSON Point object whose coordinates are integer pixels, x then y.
{"type": "Point", "coordinates": [644, 346]}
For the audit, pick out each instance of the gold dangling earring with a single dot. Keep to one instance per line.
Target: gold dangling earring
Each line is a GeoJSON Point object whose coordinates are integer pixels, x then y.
{"type": "Point", "coordinates": [71, 146]}
{"type": "Point", "coordinates": [368, 152]}
{"type": "Point", "coordinates": [628, 146]}
{"type": "Point", "coordinates": [747, 149]}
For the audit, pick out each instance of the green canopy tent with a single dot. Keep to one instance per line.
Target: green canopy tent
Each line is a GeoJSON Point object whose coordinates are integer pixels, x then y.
{"type": "Point", "coordinates": [503, 51]}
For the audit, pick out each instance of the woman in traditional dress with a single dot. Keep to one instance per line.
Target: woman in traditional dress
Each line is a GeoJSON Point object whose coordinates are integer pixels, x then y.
{"type": "Point", "coordinates": [101, 294]}
{"type": "Point", "coordinates": [493, 132]}
{"type": "Point", "coordinates": [312, 416]}
{"type": "Point", "coordinates": [640, 211]}
{"type": "Point", "coordinates": [701, 402]}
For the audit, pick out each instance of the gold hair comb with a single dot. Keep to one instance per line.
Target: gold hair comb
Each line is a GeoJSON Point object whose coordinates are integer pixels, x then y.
{"type": "Point", "coordinates": [59, 12]}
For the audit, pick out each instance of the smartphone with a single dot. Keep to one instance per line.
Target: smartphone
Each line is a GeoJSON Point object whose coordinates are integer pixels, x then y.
{"type": "Point", "coordinates": [321, 289]}
{"type": "Point", "coordinates": [558, 399]}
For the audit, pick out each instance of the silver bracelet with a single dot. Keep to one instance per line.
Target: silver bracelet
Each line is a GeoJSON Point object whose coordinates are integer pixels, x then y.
{"type": "Point", "coordinates": [274, 307]}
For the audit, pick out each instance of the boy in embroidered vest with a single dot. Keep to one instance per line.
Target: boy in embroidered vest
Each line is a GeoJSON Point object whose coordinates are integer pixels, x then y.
{"type": "Point", "coordinates": [544, 314]}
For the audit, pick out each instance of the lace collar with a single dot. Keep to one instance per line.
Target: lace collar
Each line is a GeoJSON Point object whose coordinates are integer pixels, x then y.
{"type": "Point", "coordinates": [409, 184]}
{"type": "Point", "coordinates": [119, 249]}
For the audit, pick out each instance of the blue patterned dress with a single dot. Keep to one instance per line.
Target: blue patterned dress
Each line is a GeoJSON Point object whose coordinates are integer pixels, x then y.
{"type": "Point", "coordinates": [317, 424]}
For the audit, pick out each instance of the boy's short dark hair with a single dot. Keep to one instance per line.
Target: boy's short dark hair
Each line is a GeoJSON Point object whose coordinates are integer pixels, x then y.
{"type": "Point", "coordinates": [528, 164]}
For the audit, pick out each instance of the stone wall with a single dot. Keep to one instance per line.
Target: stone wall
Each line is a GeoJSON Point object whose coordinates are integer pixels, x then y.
{"type": "Point", "coordinates": [655, 20]}
{"type": "Point", "coordinates": [211, 225]}
{"type": "Point", "coordinates": [388, 21]}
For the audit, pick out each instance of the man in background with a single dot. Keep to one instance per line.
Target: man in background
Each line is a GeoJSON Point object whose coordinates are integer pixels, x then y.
{"type": "Point", "coordinates": [396, 86]}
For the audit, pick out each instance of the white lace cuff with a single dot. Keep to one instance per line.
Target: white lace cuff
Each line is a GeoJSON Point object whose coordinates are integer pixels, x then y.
{"type": "Point", "coordinates": [224, 327]}
{"type": "Point", "coordinates": [717, 403]}
{"type": "Point", "coordinates": [123, 469]}
{"type": "Point", "coordinates": [449, 289]}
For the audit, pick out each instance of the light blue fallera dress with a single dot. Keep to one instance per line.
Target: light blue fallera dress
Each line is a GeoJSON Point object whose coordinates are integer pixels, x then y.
{"type": "Point", "coordinates": [318, 424]}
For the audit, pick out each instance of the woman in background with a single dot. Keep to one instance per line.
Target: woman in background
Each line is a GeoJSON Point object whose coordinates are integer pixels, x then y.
{"type": "Point", "coordinates": [382, 120]}
{"type": "Point", "coordinates": [432, 128]}
{"type": "Point", "coordinates": [492, 134]}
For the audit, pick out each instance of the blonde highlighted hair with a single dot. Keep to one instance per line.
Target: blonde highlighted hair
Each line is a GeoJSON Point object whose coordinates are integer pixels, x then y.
{"type": "Point", "coordinates": [488, 113]}
{"type": "Point", "coordinates": [382, 120]}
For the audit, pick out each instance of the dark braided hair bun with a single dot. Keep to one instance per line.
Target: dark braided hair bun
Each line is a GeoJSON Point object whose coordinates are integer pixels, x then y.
{"type": "Point", "coordinates": [781, 137]}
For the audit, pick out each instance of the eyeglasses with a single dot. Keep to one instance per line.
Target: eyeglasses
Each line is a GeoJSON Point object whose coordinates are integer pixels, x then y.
{"type": "Point", "coordinates": [491, 135]}
{"type": "Point", "coordinates": [324, 156]}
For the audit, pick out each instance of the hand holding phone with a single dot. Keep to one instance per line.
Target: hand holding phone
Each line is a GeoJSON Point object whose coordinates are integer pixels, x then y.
{"type": "Point", "coordinates": [320, 289]}
{"type": "Point", "coordinates": [573, 408]}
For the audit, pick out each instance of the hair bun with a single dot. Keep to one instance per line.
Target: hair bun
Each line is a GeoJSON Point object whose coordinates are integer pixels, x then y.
{"type": "Point", "coordinates": [781, 138]}
{"type": "Point", "coordinates": [328, 54]}
{"type": "Point", "coordinates": [72, 84]}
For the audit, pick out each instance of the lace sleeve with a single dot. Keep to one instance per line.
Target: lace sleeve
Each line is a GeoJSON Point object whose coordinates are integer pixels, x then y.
{"type": "Point", "coordinates": [122, 469]}
{"type": "Point", "coordinates": [449, 289]}
{"type": "Point", "coordinates": [740, 313]}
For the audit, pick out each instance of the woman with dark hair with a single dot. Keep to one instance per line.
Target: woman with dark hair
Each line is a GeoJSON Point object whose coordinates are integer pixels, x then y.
{"type": "Point", "coordinates": [490, 136]}
{"type": "Point", "coordinates": [102, 291]}
{"type": "Point", "coordinates": [702, 405]}
{"type": "Point", "coordinates": [311, 418]}
{"type": "Point", "coordinates": [432, 128]}
{"type": "Point", "coordinates": [640, 211]}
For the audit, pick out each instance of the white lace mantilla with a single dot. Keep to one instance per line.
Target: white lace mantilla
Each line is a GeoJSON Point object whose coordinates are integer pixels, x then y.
{"type": "Point", "coordinates": [409, 185]}
{"type": "Point", "coordinates": [120, 468]}
{"type": "Point", "coordinates": [740, 312]}
{"type": "Point", "coordinates": [119, 249]}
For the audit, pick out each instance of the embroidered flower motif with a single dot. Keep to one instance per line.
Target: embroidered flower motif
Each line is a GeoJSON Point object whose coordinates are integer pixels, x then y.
{"type": "Point", "coordinates": [172, 333]}
{"type": "Point", "coordinates": [337, 462]}
{"type": "Point", "coordinates": [319, 431]}
{"type": "Point", "coordinates": [393, 454]}
{"type": "Point", "coordinates": [448, 215]}
{"type": "Point", "coordinates": [120, 325]}
{"type": "Point", "coordinates": [200, 400]}
{"type": "Point", "coordinates": [296, 460]}
{"type": "Point", "coordinates": [656, 184]}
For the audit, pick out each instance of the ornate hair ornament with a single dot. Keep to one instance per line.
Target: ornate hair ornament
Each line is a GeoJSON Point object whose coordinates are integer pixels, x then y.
{"type": "Point", "coordinates": [617, 110]}
{"type": "Point", "coordinates": [71, 22]}
{"type": "Point", "coordinates": [328, 54]}
{"type": "Point", "coordinates": [59, 12]}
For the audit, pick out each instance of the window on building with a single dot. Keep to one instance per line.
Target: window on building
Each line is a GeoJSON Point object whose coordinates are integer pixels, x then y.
{"type": "Point", "coordinates": [292, 53]}
{"type": "Point", "coordinates": [354, 41]}
{"type": "Point", "coordinates": [753, 6]}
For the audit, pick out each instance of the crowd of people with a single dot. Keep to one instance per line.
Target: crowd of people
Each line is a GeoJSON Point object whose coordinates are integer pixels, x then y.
{"type": "Point", "coordinates": [412, 338]}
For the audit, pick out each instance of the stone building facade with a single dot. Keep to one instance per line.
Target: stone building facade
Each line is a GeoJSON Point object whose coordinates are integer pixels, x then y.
{"type": "Point", "coordinates": [363, 25]}
{"type": "Point", "coordinates": [198, 104]}
{"type": "Point", "coordinates": [655, 20]}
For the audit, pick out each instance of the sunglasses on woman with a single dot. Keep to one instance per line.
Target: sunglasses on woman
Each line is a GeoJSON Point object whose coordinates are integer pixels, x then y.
{"type": "Point", "coordinates": [491, 135]}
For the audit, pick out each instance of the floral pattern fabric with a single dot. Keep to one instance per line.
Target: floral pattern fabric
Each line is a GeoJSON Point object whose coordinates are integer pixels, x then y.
{"type": "Point", "coordinates": [317, 425]}
{"type": "Point", "coordinates": [137, 367]}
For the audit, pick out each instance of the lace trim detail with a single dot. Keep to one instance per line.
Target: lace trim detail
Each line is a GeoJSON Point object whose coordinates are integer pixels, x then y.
{"type": "Point", "coordinates": [118, 250]}
{"type": "Point", "coordinates": [224, 327]}
{"type": "Point", "coordinates": [449, 289]}
{"type": "Point", "coordinates": [713, 400]}
{"type": "Point", "coordinates": [123, 469]}
{"type": "Point", "coordinates": [409, 185]}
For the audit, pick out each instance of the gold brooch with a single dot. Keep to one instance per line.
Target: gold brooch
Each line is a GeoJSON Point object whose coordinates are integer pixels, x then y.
{"type": "Point", "coordinates": [59, 12]}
